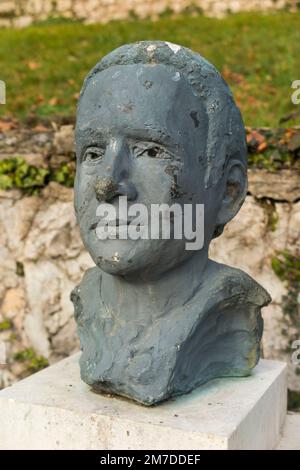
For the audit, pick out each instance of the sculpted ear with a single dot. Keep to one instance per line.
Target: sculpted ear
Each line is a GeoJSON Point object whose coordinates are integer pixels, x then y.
{"type": "Point", "coordinates": [235, 190]}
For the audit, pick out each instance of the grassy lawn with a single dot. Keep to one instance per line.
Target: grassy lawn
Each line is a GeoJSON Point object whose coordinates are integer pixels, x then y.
{"type": "Point", "coordinates": [44, 65]}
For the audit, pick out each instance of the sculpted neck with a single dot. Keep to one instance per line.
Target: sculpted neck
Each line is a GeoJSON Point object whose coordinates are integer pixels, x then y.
{"type": "Point", "coordinates": [142, 300]}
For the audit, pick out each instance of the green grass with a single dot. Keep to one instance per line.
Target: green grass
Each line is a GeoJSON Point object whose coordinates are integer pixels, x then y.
{"type": "Point", "coordinates": [44, 65]}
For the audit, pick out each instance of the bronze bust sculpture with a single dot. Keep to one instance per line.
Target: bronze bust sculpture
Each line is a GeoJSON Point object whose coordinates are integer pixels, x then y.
{"type": "Point", "coordinates": [156, 123]}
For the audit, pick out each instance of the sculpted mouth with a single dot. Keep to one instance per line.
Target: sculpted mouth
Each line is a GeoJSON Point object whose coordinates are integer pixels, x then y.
{"type": "Point", "coordinates": [114, 223]}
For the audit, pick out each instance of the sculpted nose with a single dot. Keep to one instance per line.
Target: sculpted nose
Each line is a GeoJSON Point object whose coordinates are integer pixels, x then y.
{"type": "Point", "coordinates": [107, 188]}
{"type": "Point", "coordinates": [116, 181]}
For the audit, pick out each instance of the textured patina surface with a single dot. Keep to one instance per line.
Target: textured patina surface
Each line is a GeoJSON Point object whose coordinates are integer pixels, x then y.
{"type": "Point", "coordinates": [157, 123]}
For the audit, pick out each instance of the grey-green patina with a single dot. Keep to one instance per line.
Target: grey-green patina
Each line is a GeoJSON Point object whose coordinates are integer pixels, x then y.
{"type": "Point", "coordinates": [157, 123]}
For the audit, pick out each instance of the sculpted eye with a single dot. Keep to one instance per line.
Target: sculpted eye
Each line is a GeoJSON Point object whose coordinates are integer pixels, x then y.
{"type": "Point", "coordinates": [150, 150]}
{"type": "Point", "coordinates": [93, 154]}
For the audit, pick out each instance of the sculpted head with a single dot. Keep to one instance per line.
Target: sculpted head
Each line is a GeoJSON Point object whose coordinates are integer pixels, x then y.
{"type": "Point", "coordinates": [156, 123]}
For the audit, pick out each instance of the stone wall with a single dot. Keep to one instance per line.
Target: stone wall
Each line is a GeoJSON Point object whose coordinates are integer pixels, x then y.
{"type": "Point", "coordinates": [23, 12]}
{"type": "Point", "coordinates": [42, 258]}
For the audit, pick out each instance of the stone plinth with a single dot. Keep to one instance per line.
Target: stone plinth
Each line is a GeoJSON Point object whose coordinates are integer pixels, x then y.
{"type": "Point", "coordinates": [54, 409]}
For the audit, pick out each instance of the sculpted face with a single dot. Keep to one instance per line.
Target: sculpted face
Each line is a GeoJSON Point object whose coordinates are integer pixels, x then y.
{"type": "Point", "coordinates": [141, 130]}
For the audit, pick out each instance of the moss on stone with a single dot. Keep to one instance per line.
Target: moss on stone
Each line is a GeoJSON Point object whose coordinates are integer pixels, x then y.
{"type": "Point", "coordinates": [287, 267]}
{"type": "Point", "coordinates": [5, 324]}
{"type": "Point", "coordinates": [270, 210]}
{"type": "Point", "coordinates": [34, 362]}
{"type": "Point", "coordinates": [65, 174]}
{"type": "Point", "coordinates": [20, 269]}
{"type": "Point", "coordinates": [293, 400]}
{"type": "Point", "coordinates": [17, 173]}
{"type": "Point", "coordinates": [273, 149]}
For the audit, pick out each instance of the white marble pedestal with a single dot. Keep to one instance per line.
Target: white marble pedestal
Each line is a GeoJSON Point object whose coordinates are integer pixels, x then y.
{"type": "Point", "coordinates": [54, 409]}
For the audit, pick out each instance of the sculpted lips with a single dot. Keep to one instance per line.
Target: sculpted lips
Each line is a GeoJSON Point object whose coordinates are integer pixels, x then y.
{"type": "Point", "coordinates": [113, 223]}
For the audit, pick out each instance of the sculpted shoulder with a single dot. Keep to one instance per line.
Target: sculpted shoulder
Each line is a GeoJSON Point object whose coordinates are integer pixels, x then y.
{"type": "Point", "coordinates": [87, 289]}
{"type": "Point", "coordinates": [226, 282]}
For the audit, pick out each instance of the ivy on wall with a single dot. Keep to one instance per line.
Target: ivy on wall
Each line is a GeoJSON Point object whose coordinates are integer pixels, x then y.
{"type": "Point", "coordinates": [17, 173]}
{"type": "Point", "coordinates": [287, 267]}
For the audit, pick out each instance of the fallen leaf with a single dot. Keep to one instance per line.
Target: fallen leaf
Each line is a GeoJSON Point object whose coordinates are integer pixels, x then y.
{"type": "Point", "coordinates": [262, 147]}
{"type": "Point", "coordinates": [294, 143]}
{"type": "Point", "coordinates": [40, 128]}
{"type": "Point", "coordinates": [40, 99]}
{"type": "Point", "coordinates": [230, 75]}
{"type": "Point", "coordinates": [6, 125]}
{"type": "Point", "coordinates": [256, 136]}
{"type": "Point", "coordinates": [33, 65]}
{"type": "Point", "coordinates": [53, 101]}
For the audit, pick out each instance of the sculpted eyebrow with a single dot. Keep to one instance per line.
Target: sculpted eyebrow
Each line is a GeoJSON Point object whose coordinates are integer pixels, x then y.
{"type": "Point", "coordinates": [152, 133]}
{"type": "Point", "coordinates": [90, 132]}
{"type": "Point", "coordinates": [149, 132]}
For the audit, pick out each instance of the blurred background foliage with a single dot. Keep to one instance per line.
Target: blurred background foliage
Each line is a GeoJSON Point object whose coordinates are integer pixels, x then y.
{"type": "Point", "coordinates": [44, 64]}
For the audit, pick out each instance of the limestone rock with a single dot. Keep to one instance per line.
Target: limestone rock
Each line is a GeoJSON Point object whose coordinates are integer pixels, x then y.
{"type": "Point", "coordinates": [279, 186]}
